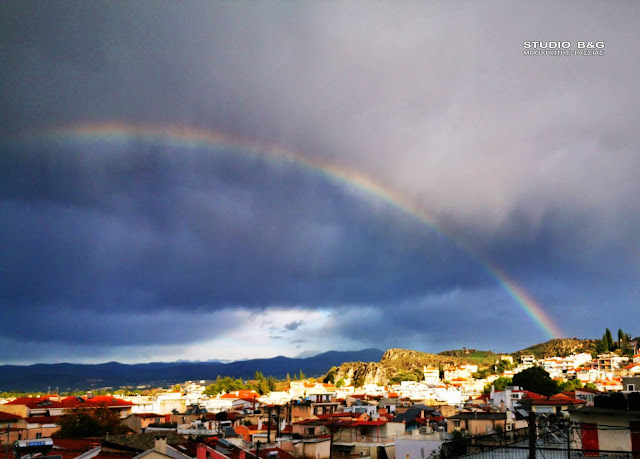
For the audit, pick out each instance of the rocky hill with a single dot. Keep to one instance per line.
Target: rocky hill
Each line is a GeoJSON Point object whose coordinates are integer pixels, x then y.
{"type": "Point", "coordinates": [401, 364]}
{"type": "Point", "coordinates": [560, 347]}
{"type": "Point", "coordinates": [405, 364]}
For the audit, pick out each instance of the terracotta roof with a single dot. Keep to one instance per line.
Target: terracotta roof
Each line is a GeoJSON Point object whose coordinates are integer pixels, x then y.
{"type": "Point", "coordinates": [43, 419]}
{"type": "Point", "coordinates": [531, 395]}
{"type": "Point", "coordinates": [586, 389]}
{"type": "Point", "coordinates": [369, 423]}
{"type": "Point", "coordinates": [479, 415]}
{"type": "Point", "coordinates": [99, 400]}
{"type": "Point", "coordinates": [556, 402]}
{"type": "Point", "coordinates": [243, 394]}
{"type": "Point", "coordinates": [341, 414]}
{"type": "Point", "coordinates": [8, 417]}
{"type": "Point", "coordinates": [148, 415]}
{"type": "Point", "coordinates": [36, 402]}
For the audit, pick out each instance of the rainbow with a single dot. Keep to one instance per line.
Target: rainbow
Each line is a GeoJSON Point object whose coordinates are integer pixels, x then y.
{"type": "Point", "coordinates": [202, 139]}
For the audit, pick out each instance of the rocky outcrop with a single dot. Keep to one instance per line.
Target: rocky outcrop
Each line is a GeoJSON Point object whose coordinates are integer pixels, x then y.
{"type": "Point", "coordinates": [393, 362]}
{"type": "Point", "coordinates": [361, 373]}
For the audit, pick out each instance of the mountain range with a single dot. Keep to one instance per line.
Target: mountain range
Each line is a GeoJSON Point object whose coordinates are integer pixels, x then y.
{"type": "Point", "coordinates": [70, 376]}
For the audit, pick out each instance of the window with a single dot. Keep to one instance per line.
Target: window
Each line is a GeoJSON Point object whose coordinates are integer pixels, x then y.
{"type": "Point", "coordinates": [631, 387]}
{"type": "Point", "coordinates": [38, 434]}
{"type": "Point", "coordinates": [456, 423]}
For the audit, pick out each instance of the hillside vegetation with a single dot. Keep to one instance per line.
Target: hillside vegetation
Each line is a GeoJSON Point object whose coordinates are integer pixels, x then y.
{"type": "Point", "coordinates": [560, 347]}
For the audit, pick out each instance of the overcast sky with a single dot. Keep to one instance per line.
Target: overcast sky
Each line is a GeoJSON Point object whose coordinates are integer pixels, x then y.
{"type": "Point", "coordinates": [130, 249]}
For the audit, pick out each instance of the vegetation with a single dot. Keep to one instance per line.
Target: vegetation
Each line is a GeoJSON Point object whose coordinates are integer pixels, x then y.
{"type": "Point", "coordinates": [502, 366]}
{"type": "Point", "coordinates": [260, 383]}
{"type": "Point", "coordinates": [90, 422]}
{"type": "Point", "coordinates": [536, 379]}
{"type": "Point", "coordinates": [570, 385]}
{"type": "Point", "coordinates": [415, 375]}
{"type": "Point", "coordinates": [499, 384]}
{"type": "Point", "coordinates": [330, 377]}
{"type": "Point", "coordinates": [560, 347]}
{"type": "Point", "coordinates": [607, 344]}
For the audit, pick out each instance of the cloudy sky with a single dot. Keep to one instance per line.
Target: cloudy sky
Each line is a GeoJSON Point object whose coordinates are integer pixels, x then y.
{"type": "Point", "coordinates": [116, 245]}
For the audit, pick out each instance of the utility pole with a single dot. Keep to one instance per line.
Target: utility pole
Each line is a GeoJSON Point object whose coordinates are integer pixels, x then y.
{"type": "Point", "coordinates": [269, 425]}
{"type": "Point", "coordinates": [278, 408]}
{"type": "Point", "coordinates": [332, 425]}
{"type": "Point", "coordinates": [6, 449]}
{"type": "Point", "coordinates": [532, 435]}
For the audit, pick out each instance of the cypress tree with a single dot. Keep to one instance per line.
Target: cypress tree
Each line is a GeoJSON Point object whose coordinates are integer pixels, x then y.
{"type": "Point", "coordinates": [609, 340]}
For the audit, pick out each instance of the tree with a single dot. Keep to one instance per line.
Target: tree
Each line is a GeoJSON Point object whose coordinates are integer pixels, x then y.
{"type": "Point", "coordinates": [536, 379]}
{"type": "Point", "coordinates": [609, 340]}
{"type": "Point", "coordinates": [340, 383]}
{"type": "Point", "coordinates": [569, 385]}
{"type": "Point", "coordinates": [225, 384]}
{"type": "Point", "coordinates": [502, 366]}
{"type": "Point", "coordinates": [481, 374]}
{"type": "Point", "coordinates": [302, 376]}
{"type": "Point", "coordinates": [90, 422]}
{"type": "Point", "coordinates": [330, 377]}
{"type": "Point", "coordinates": [499, 384]}
{"type": "Point", "coordinates": [601, 346]}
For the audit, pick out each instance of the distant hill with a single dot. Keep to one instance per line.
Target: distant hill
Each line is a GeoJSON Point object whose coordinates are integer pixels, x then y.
{"type": "Point", "coordinates": [473, 355]}
{"type": "Point", "coordinates": [405, 363]}
{"type": "Point", "coordinates": [560, 347]}
{"type": "Point", "coordinates": [68, 376]}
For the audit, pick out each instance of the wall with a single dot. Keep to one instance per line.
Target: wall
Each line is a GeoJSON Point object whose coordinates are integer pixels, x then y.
{"type": "Point", "coordinates": [312, 450]}
{"type": "Point", "coordinates": [415, 449]}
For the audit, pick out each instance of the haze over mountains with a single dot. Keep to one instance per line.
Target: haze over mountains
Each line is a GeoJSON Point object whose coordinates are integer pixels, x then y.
{"type": "Point", "coordinates": [69, 376]}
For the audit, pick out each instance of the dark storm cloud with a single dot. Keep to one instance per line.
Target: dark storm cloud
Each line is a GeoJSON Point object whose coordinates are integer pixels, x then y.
{"type": "Point", "coordinates": [530, 161]}
{"type": "Point", "coordinates": [136, 228]}
{"type": "Point", "coordinates": [291, 326]}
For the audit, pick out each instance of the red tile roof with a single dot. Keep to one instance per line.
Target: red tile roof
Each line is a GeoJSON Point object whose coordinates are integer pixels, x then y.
{"type": "Point", "coordinates": [36, 402]}
{"type": "Point", "coordinates": [586, 389]}
{"type": "Point", "coordinates": [243, 394]}
{"type": "Point", "coordinates": [43, 419]}
{"type": "Point", "coordinates": [341, 414]}
{"type": "Point", "coordinates": [148, 415]}
{"type": "Point", "coordinates": [557, 402]}
{"type": "Point", "coordinates": [8, 417]}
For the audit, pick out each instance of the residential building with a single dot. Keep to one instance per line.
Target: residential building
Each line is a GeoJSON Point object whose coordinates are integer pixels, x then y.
{"type": "Point", "coordinates": [139, 422]}
{"type": "Point", "coordinates": [478, 423]}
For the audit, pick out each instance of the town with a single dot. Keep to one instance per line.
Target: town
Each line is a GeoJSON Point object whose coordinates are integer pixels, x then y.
{"type": "Point", "coordinates": [583, 404]}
